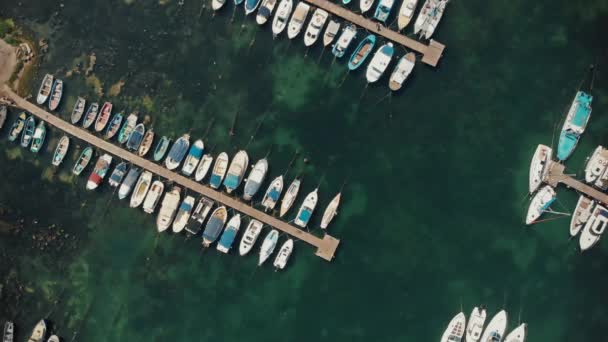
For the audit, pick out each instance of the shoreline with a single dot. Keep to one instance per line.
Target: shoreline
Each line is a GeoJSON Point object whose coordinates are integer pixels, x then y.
{"type": "Point", "coordinates": [8, 61]}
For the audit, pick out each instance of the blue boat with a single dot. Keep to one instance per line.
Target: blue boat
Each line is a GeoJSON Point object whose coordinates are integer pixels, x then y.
{"type": "Point", "coordinates": [136, 137]}
{"type": "Point", "coordinates": [346, 2]}
{"type": "Point", "coordinates": [361, 52]}
{"type": "Point", "coordinates": [251, 5]}
{"type": "Point", "coordinates": [214, 226]}
{"type": "Point", "coordinates": [575, 124]}
{"type": "Point", "coordinates": [227, 238]}
{"type": "Point", "coordinates": [114, 126]}
{"type": "Point", "coordinates": [236, 171]}
{"type": "Point", "coordinates": [177, 152]}
{"type": "Point", "coordinates": [194, 156]}
{"type": "Point", "coordinates": [383, 10]}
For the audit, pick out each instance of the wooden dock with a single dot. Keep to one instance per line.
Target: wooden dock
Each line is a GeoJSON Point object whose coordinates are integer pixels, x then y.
{"type": "Point", "coordinates": [431, 54]}
{"type": "Point", "coordinates": [556, 175]}
{"type": "Point", "coordinates": [326, 246]}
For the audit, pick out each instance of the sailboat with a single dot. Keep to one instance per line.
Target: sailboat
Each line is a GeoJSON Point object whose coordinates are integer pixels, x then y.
{"type": "Point", "coordinates": [594, 228]}
{"type": "Point", "coordinates": [539, 167]}
{"type": "Point", "coordinates": [475, 326]}
{"type": "Point", "coordinates": [361, 52]}
{"type": "Point", "coordinates": [161, 148]}
{"type": "Point", "coordinates": [83, 161]}
{"type": "Point", "coordinates": [582, 214]}
{"type": "Point", "coordinates": [199, 214]}
{"type": "Point", "coordinates": [141, 189]}
{"type": "Point", "coordinates": [518, 334]}
{"type": "Point", "coordinates": [118, 174]}
{"type": "Point", "coordinates": [45, 89]}
{"type": "Point", "coordinates": [114, 126]}
{"type": "Point", "coordinates": [331, 211]}
{"type": "Point", "coordinates": [236, 171]}
{"type": "Point", "coordinates": [56, 94]}
{"type": "Point", "coordinates": [177, 152]}
{"type": "Point", "coordinates": [540, 203]}
{"type": "Point", "coordinates": [290, 196]}
{"type": "Point", "coordinates": [455, 330]}
{"type": "Point", "coordinates": [78, 110]}
{"type": "Point", "coordinates": [365, 5]}
{"type": "Point", "coordinates": [28, 132]}
{"type": "Point", "coordinates": [272, 195]}
{"type": "Point", "coordinates": [38, 137]}
{"type": "Point", "coordinates": [127, 128]}
{"type": "Point", "coordinates": [406, 12]}
{"type": "Point", "coordinates": [168, 208]}
{"type": "Point", "coordinates": [17, 127]}
{"type": "Point", "coordinates": [330, 32]}
{"type": "Point", "coordinates": [496, 328]}
{"type": "Point", "coordinates": [146, 143]}
{"type": "Point", "coordinates": [254, 228]}
{"type": "Point", "coordinates": [99, 172]}
{"type": "Point", "coordinates": [297, 19]}
{"type": "Point", "coordinates": [346, 37]}
{"type": "Point", "coordinates": [315, 26]}
{"type": "Point", "coordinates": [39, 332]}
{"type": "Point", "coordinates": [402, 71]}
{"type": "Point", "coordinates": [128, 183]}
{"type": "Point", "coordinates": [268, 246]}
{"type": "Point", "coordinates": [255, 179]}
{"type": "Point", "coordinates": [214, 226]}
{"type": "Point", "coordinates": [203, 167]}
{"type": "Point", "coordinates": [153, 197]}
{"type": "Point", "coordinates": [281, 17]}
{"type": "Point", "coordinates": [283, 256]}
{"type": "Point", "coordinates": [219, 170]}
{"type": "Point", "coordinates": [265, 11]}
{"type": "Point", "coordinates": [104, 117]}
{"type": "Point", "coordinates": [379, 62]}
{"type": "Point", "coordinates": [194, 156]}
{"type": "Point", "coordinates": [136, 137]}
{"type": "Point", "coordinates": [229, 234]}
{"type": "Point", "coordinates": [306, 209]}
{"type": "Point", "coordinates": [183, 214]}
{"type": "Point", "coordinates": [575, 124]}
{"type": "Point", "coordinates": [61, 150]}
{"type": "Point", "coordinates": [91, 115]}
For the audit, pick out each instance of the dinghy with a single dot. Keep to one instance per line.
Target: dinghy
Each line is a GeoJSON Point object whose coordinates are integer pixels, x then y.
{"type": "Point", "coordinates": [254, 228]}
{"type": "Point", "coordinates": [330, 32]}
{"type": "Point", "coordinates": [361, 52]}
{"type": "Point", "coordinates": [17, 127]}
{"type": "Point", "coordinates": [255, 179]}
{"type": "Point", "coordinates": [272, 195]}
{"type": "Point", "coordinates": [91, 115]}
{"type": "Point", "coordinates": [495, 330]}
{"type": "Point", "coordinates": [161, 148]}
{"type": "Point", "coordinates": [146, 143]}
{"type": "Point", "coordinates": [56, 94]}
{"type": "Point", "coordinates": [251, 6]}
{"type": "Point", "coordinates": [194, 156]}
{"type": "Point", "coordinates": [582, 214]}
{"type": "Point", "coordinates": [346, 37]}
{"type": "Point", "coordinates": [168, 208]}
{"type": "Point", "coordinates": [331, 211]}
{"type": "Point", "coordinates": [574, 125]}
{"type": "Point", "coordinates": [229, 234]}
{"type": "Point", "coordinates": [539, 167]}
{"type": "Point", "coordinates": [118, 174]}
{"type": "Point", "coordinates": [383, 10]}
{"type": "Point", "coordinates": [455, 330]}
{"type": "Point", "coordinates": [315, 26]}
{"type": "Point", "coordinates": [104, 117]}
{"type": "Point", "coordinates": [78, 110]}
{"type": "Point", "coordinates": [28, 132]}
{"type": "Point", "coordinates": [114, 126]}
{"type": "Point", "coordinates": [298, 19]}
{"type": "Point", "coordinates": [540, 203]}
{"type": "Point", "coordinates": [290, 196]}
{"type": "Point", "coordinates": [281, 17]}
{"type": "Point", "coordinates": [283, 256]}
{"type": "Point", "coordinates": [265, 11]}
{"type": "Point", "coordinates": [306, 209]}
{"type": "Point", "coordinates": [141, 189]}
{"type": "Point", "coordinates": [177, 152]}
{"type": "Point", "coordinates": [219, 170]}
{"type": "Point", "coordinates": [402, 71]}
{"type": "Point", "coordinates": [379, 63]}
{"type": "Point", "coordinates": [236, 171]}
{"type": "Point", "coordinates": [406, 12]}
{"type": "Point", "coordinates": [518, 334]}
{"type": "Point", "coordinates": [268, 246]}
{"type": "Point", "coordinates": [214, 226]}
{"type": "Point", "coordinates": [38, 137]}
{"type": "Point", "coordinates": [183, 213]}
{"type": "Point", "coordinates": [475, 326]}
{"type": "Point", "coordinates": [136, 137]}
{"type": "Point", "coordinates": [127, 128]}
{"type": "Point", "coordinates": [61, 150]}
{"type": "Point", "coordinates": [594, 228]}
{"type": "Point", "coordinates": [365, 5]}
{"type": "Point", "coordinates": [45, 89]}
{"type": "Point", "coordinates": [203, 167]}
{"type": "Point", "coordinates": [153, 196]}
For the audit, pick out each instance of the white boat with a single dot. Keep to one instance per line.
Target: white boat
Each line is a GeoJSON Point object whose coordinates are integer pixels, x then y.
{"type": "Point", "coordinates": [429, 17]}
{"type": "Point", "coordinates": [265, 11]}
{"type": "Point", "coordinates": [379, 62]}
{"type": "Point", "coordinates": [281, 17]}
{"type": "Point", "coordinates": [99, 172]}
{"type": "Point", "coordinates": [255, 179]}
{"type": "Point", "coordinates": [406, 12]}
{"type": "Point", "coordinates": [346, 37]}
{"type": "Point", "coordinates": [177, 152]}
{"type": "Point", "coordinates": [54, 338]}
{"type": "Point", "coordinates": [194, 156]}
{"type": "Point", "coordinates": [315, 26]}
{"type": "Point", "coordinates": [236, 171]}
{"type": "Point", "coordinates": [518, 334]}
{"type": "Point", "coordinates": [582, 213]}
{"type": "Point", "coordinates": [540, 203]}
{"type": "Point", "coordinates": [495, 330]}
{"type": "Point", "coordinates": [183, 214]}
{"type": "Point", "coordinates": [594, 228]}
{"type": "Point", "coordinates": [203, 167]}
{"type": "Point", "coordinates": [254, 228]}
{"type": "Point", "coordinates": [455, 330]}
{"type": "Point", "coordinates": [475, 325]}
{"type": "Point", "coordinates": [330, 32]}
{"type": "Point", "coordinates": [45, 89]}
{"type": "Point", "coordinates": [168, 208]}
{"type": "Point", "coordinates": [39, 332]}
{"type": "Point", "coordinates": [297, 19]}
{"type": "Point", "coordinates": [283, 256]}
{"type": "Point", "coordinates": [217, 4]}
{"type": "Point", "coordinates": [272, 195]}
{"type": "Point", "coordinates": [153, 196]}
{"type": "Point", "coordinates": [141, 189]}
{"type": "Point", "coordinates": [290, 196]}
{"type": "Point", "coordinates": [365, 5]}
{"type": "Point", "coordinates": [268, 246]}
{"type": "Point", "coordinates": [539, 166]}
{"type": "Point", "coordinates": [331, 211]}
{"type": "Point", "coordinates": [402, 71]}
{"type": "Point", "coordinates": [596, 169]}
{"type": "Point", "coordinates": [219, 170]}
{"type": "Point", "coordinates": [306, 209]}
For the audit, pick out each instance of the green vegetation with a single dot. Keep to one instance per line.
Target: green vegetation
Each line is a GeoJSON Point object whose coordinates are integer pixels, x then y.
{"type": "Point", "coordinates": [6, 26]}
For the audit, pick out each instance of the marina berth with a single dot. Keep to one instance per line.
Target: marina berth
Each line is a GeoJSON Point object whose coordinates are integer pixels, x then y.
{"type": "Point", "coordinates": [538, 167]}
{"type": "Point", "coordinates": [56, 94]}
{"type": "Point", "coordinates": [268, 246]}
{"type": "Point", "coordinates": [128, 183]}
{"type": "Point", "coordinates": [39, 332]}
{"type": "Point", "coordinates": [38, 137]}
{"type": "Point", "coordinates": [379, 62]}
{"type": "Point", "coordinates": [265, 11]}
{"type": "Point", "coordinates": [219, 170]}
{"type": "Point", "coordinates": [9, 332]}
{"type": "Point", "coordinates": [183, 214]}
{"type": "Point", "coordinates": [194, 156]}
{"type": "Point", "coordinates": [383, 10]}
{"type": "Point", "coordinates": [582, 214]}
{"type": "Point", "coordinates": [161, 148]}
{"type": "Point", "coordinates": [346, 37]}
{"type": "Point", "coordinates": [83, 161]}
{"type": "Point", "coordinates": [78, 110]}
{"type": "Point", "coordinates": [315, 26]}
{"type": "Point", "coordinates": [203, 167]}
{"type": "Point", "coordinates": [91, 115]}
{"type": "Point", "coordinates": [475, 325]}
{"type": "Point", "coordinates": [45, 89]}
{"type": "Point", "coordinates": [402, 71]}
{"type": "Point", "coordinates": [118, 174]}
{"type": "Point", "coordinates": [594, 228]}
{"type": "Point", "coordinates": [255, 179]}
{"type": "Point", "coordinates": [104, 117]}
{"type": "Point", "coordinates": [574, 125]}
{"type": "Point", "coordinates": [298, 19]}
{"type": "Point", "coordinates": [17, 127]}
{"type": "Point", "coordinates": [540, 203]}
{"type": "Point", "coordinates": [168, 208]}
{"type": "Point", "coordinates": [217, 4]}
{"type": "Point", "coordinates": [146, 143]}
{"type": "Point", "coordinates": [283, 256]}
{"type": "Point", "coordinates": [361, 52]}
{"type": "Point", "coordinates": [365, 5]}
{"type": "Point", "coordinates": [254, 228]}
{"type": "Point", "coordinates": [136, 137]}
{"type": "Point", "coordinates": [99, 171]}
{"type": "Point", "coordinates": [28, 132]}
{"type": "Point", "coordinates": [214, 226]}
{"type": "Point", "coordinates": [455, 330]}
{"type": "Point", "coordinates": [236, 171]}
{"type": "Point", "coordinates": [306, 210]}
{"type": "Point", "coordinates": [127, 128]}
{"type": "Point", "coordinates": [153, 197]}
{"type": "Point", "coordinates": [406, 12]}
{"type": "Point", "coordinates": [141, 189]}
{"type": "Point", "coordinates": [331, 211]}
{"type": "Point", "coordinates": [330, 32]}
{"type": "Point", "coordinates": [518, 334]}
{"type": "Point", "coordinates": [114, 126]}
{"type": "Point", "coordinates": [290, 196]}
{"type": "Point", "coordinates": [229, 234]}
{"type": "Point", "coordinates": [281, 17]}
{"type": "Point", "coordinates": [199, 214]}
{"type": "Point", "coordinates": [251, 6]}
{"type": "Point", "coordinates": [177, 152]}
{"type": "Point", "coordinates": [495, 330]}
{"type": "Point", "coordinates": [61, 150]}
{"type": "Point", "coordinates": [272, 195]}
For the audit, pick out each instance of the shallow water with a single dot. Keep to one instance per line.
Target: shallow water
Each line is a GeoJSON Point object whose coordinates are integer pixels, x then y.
{"type": "Point", "coordinates": [431, 220]}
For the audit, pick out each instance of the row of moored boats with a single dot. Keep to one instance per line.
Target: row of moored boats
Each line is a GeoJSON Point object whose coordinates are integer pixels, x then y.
{"type": "Point", "coordinates": [459, 331]}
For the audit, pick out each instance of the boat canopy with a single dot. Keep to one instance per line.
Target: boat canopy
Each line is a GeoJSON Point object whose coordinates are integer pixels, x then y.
{"type": "Point", "coordinates": [274, 194]}
{"type": "Point", "coordinates": [583, 109]}
{"type": "Point", "coordinates": [215, 179]}
{"type": "Point", "coordinates": [305, 215]}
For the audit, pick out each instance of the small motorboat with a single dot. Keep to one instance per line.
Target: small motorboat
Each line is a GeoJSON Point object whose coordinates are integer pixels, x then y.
{"type": "Point", "coordinates": [161, 148]}
{"type": "Point", "coordinates": [194, 156]}
{"type": "Point", "coordinates": [118, 174]}
{"type": "Point", "coordinates": [214, 226]}
{"type": "Point", "coordinates": [406, 12]}
{"type": "Point", "coordinates": [136, 137]}
{"type": "Point", "coordinates": [168, 209]}
{"type": "Point", "coordinates": [365, 5]}
{"type": "Point", "coordinates": [475, 326]}
{"type": "Point", "coordinates": [582, 214]}
{"type": "Point", "coordinates": [518, 334]}
{"type": "Point", "coordinates": [255, 179]}
{"type": "Point", "coordinates": [38, 137]}
{"type": "Point", "coordinates": [3, 112]}
{"type": "Point", "coordinates": [128, 183]}
{"type": "Point", "coordinates": [272, 195]}
{"type": "Point", "coordinates": [331, 211]}
{"type": "Point", "coordinates": [146, 143]}
{"type": "Point", "coordinates": [297, 19]}
{"type": "Point", "coordinates": [361, 52]}
{"type": "Point", "coordinates": [539, 167]}
{"type": "Point", "coordinates": [9, 332]}
{"type": "Point", "coordinates": [78, 110]}
{"type": "Point", "coordinates": [217, 4]}
{"type": "Point", "coordinates": [91, 115]}
{"type": "Point", "coordinates": [383, 10]}
{"type": "Point", "coordinates": [39, 332]}
{"type": "Point", "coordinates": [141, 189]}
{"type": "Point", "coordinates": [265, 11]}
{"type": "Point", "coordinates": [346, 37]}
{"type": "Point", "coordinates": [83, 161]}
{"type": "Point", "coordinates": [177, 152]}
{"type": "Point", "coordinates": [379, 62]}
{"type": "Point", "coordinates": [61, 150]}
{"type": "Point", "coordinates": [402, 71]}
{"type": "Point", "coordinates": [455, 330]}
{"type": "Point", "coordinates": [540, 203]}
{"type": "Point", "coordinates": [306, 209]}
{"type": "Point", "coordinates": [127, 128]}
{"type": "Point", "coordinates": [268, 246]}
{"type": "Point", "coordinates": [315, 26]}
{"type": "Point", "coordinates": [254, 228]}
{"type": "Point", "coordinates": [594, 228]}
{"type": "Point", "coordinates": [203, 167]}
{"type": "Point", "coordinates": [236, 171]}
{"type": "Point", "coordinates": [45, 89]}
{"type": "Point", "coordinates": [199, 214]}
{"type": "Point", "coordinates": [54, 338]}
{"type": "Point", "coordinates": [28, 132]}
{"type": "Point", "coordinates": [283, 256]}
{"type": "Point", "coordinates": [56, 94]}
{"type": "Point", "coordinates": [229, 234]}
{"type": "Point", "coordinates": [281, 17]}
{"type": "Point", "coordinates": [330, 32]}
{"type": "Point", "coordinates": [104, 117]}
{"type": "Point", "coordinates": [495, 330]}
{"type": "Point", "coordinates": [114, 126]}
{"type": "Point", "coordinates": [251, 6]}
{"type": "Point", "coordinates": [153, 197]}
{"type": "Point", "coordinates": [99, 172]}
{"type": "Point", "coordinates": [290, 196]}
{"type": "Point", "coordinates": [17, 127]}
{"type": "Point", "coordinates": [183, 214]}
{"type": "Point", "coordinates": [219, 170]}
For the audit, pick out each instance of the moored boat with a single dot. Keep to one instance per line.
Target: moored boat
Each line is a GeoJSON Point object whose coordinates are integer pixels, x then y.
{"type": "Point", "coordinates": [91, 115]}
{"type": "Point", "coordinates": [306, 209]}
{"type": "Point", "coordinates": [596, 165]}
{"type": "Point", "coordinates": [361, 52]}
{"type": "Point", "coordinates": [78, 110]}
{"type": "Point", "coordinates": [540, 203]}
{"type": "Point", "coordinates": [429, 17]}
{"type": "Point", "coordinates": [214, 226]}
{"type": "Point", "coordinates": [168, 208]}
{"type": "Point", "coordinates": [177, 152]}
{"type": "Point", "coordinates": [475, 325]}
{"type": "Point", "coordinates": [217, 4]}
{"type": "Point", "coordinates": [538, 167]}
{"type": "Point", "coordinates": [118, 174]}
{"type": "Point", "coordinates": [104, 117]}
{"type": "Point", "coordinates": [255, 179]}
{"type": "Point", "coordinates": [315, 26]}
{"type": "Point", "coordinates": [219, 170]}
{"type": "Point", "coordinates": [114, 126]}
{"type": "Point", "coordinates": [141, 189]}
{"type": "Point", "coordinates": [265, 11]}
{"type": "Point", "coordinates": [273, 193]}
{"type": "Point", "coordinates": [518, 334]}
{"type": "Point", "coordinates": [281, 17]}
{"type": "Point", "coordinates": [38, 137]}
{"type": "Point", "coordinates": [83, 161]}
{"type": "Point", "coordinates": [268, 246]}
{"type": "Point", "coordinates": [346, 37]}
{"type": "Point", "coordinates": [56, 94]}
{"type": "Point", "coordinates": [153, 197]}
{"type": "Point", "coordinates": [346, 2]}
{"type": "Point", "coordinates": [455, 330]}
{"type": "Point", "coordinates": [127, 128]}
{"type": "Point", "coordinates": [290, 196]}
{"type": "Point", "coordinates": [582, 214]}
{"type": "Point", "coordinates": [28, 132]}
{"type": "Point", "coordinates": [127, 184]}
{"type": "Point", "coordinates": [383, 10]}
{"type": "Point", "coordinates": [161, 148]}
{"type": "Point", "coordinates": [574, 125]}
{"type": "Point", "coordinates": [236, 171]}
{"type": "Point", "coordinates": [495, 330]}
{"type": "Point", "coordinates": [203, 167]}
{"type": "Point", "coordinates": [229, 234]}
{"type": "Point", "coordinates": [136, 137]}
{"type": "Point", "coordinates": [9, 332]}
{"type": "Point", "coordinates": [99, 171]}
{"type": "Point", "coordinates": [45, 89]}
{"type": "Point", "coordinates": [146, 143]}
{"type": "Point", "coordinates": [183, 213]}
{"type": "Point", "coordinates": [254, 228]}
{"type": "Point", "coordinates": [297, 19]}
{"type": "Point", "coordinates": [194, 156]}
{"type": "Point", "coordinates": [251, 6]}
{"type": "Point", "coordinates": [379, 62]}
{"type": "Point", "coordinates": [330, 32]}
{"type": "Point", "coordinates": [402, 71]}
{"type": "Point", "coordinates": [594, 228]}
{"type": "Point", "coordinates": [17, 127]}
{"type": "Point", "coordinates": [39, 332]}
{"type": "Point", "coordinates": [238, 2]}
{"type": "Point", "coordinates": [199, 214]}
{"type": "Point", "coordinates": [283, 256]}
{"type": "Point", "coordinates": [331, 211]}
{"type": "Point", "coordinates": [61, 150]}
{"type": "Point", "coordinates": [365, 5]}
{"type": "Point", "coordinates": [406, 12]}
{"type": "Point", "coordinates": [53, 338]}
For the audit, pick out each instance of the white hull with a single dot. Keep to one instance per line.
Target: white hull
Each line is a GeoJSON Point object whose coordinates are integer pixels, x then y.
{"type": "Point", "coordinates": [267, 201]}
{"type": "Point", "coordinates": [237, 168]}
{"type": "Point", "coordinates": [255, 179]}
{"type": "Point", "coordinates": [310, 202]}
{"type": "Point", "coordinates": [475, 326]}
{"type": "Point", "coordinates": [330, 212]}
{"type": "Point", "coordinates": [168, 209]}
{"type": "Point", "coordinates": [153, 196]}
{"type": "Point", "coordinates": [496, 328]}
{"type": "Point", "coordinates": [281, 17]}
{"type": "Point", "coordinates": [455, 329]}
{"type": "Point", "coordinates": [365, 5]}
{"type": "Point", "coordinates": [290, 197]}
{"type": "Point", "coordinates": [582, 214]}
{"type": "Point", "coordinates": [268, 246]}
{"type": "Point", "coordinates": [315, 26]}
{"type": "Point", "coordinates": [596, 169]}
{"type": "Point", "coordinates": [518, 334]}
{"type": "Point", "coordinates": [265, 11]}
{"type": "Point", "coordinates": [219, 168]}
{"type": "Point", "coordinates": [233, 224]}
{"type": "Point", "coordinates": [45, 89]}
{"type": "Point", "coordinates": [406, 12]}
{"type": "Point", "coordinates": [181, 219]}
{"type": "Point", "coordinates": [203, 167]}
{"type": "Point", "coordinates": [539, 167]}
{"type": "Point", "coordinates": [141, 189]}
{"type": "Point", "coordinates": [540, 202]}
{"type": "Point", "coordinates": [297, 20]}
{"type": "Point", "coordinates": [330, 32]}
{"type": "Point", "coordinates": [250, 236]}
{"type": "Point", "coordinates": [192, 161]}
{"type": "Point", "coordinates": [594, 228]}
{"type": "Point", "coordinates": [402, 71]}
{"type": "Point", "coordinates": [217, 4]}
{"type": "Point", "coordinates": [378, 64]}
{"type": "Point", "coordinates": [39, 332]}
{"type": "Point", "coordinates": [283, 256]}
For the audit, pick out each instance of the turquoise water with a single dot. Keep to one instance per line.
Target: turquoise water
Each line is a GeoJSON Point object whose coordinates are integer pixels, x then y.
{"type": "Point", "coordinates": [436, 178]}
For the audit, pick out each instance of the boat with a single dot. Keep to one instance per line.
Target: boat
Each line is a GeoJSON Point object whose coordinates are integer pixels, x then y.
{"type": "Point", "coordinates": [56, 94]}
{"type": "Point", "coordinates": [91, 115]}
{"type": "Point", "coordinates": [153, 197]}
{"type": "Point", "coordinates": [177, 152]}
{"type": "Point", "coordinates": [128, 183]}
{"type": "Point", "coordinates": [61, 150]}
{"type": "Point", "coordinates": [236, 171]}
{"type": "Point", "coordinates": [146, 143]}
{"type": "Point", "coordinates": [361, 52]}
{"type": "Point", "coordinates": [255, 179]}
{"type": "Point", "coordinates": [114, 126]}
{"type": "Point", "coordinates": [475, 326]}
{"type": "Point", "coordinates": [183, 214]}
{"type": "Point", "coordinates": [379, 62]}
{"type": "Point", "coordinates": [3, 112]}
{"type": "Point", "coordinates": [283, 256]}
{"type": "Point", "coordinates": [330, 32]}
{"type": "Point", "coordinates": [265, 11]}
{"type": "Point", "coordinates": [429, 17]}
{"type": "Point", "coordinates": [315, 26]}
{"type": "Point", "coordinates": [199, 214]}
{"type": "Point", "coordinates": [83, 161]}
{"type": "Point", "coordinates": [38, 137]}
{"type": "Point", "coordinates": [575, 124]}
{"type": "Point", "coordinates": [596, 165]}
{"type": "Point", "coordinates": [194, 156]}
{"type": "Point", "coordinates": [331, 211]}
{"type": "Point", "coordinates": [229, 234]}
{"type": "Point", "coordinates": [346, 37]}
{"type": "Point", "coordinates": [455, 330]}
{"type": "Point", "coordinates": [203, 167]}
{"type": "Point", "coordinates": [518, 334]}
{"type": "Point", "coordinates": [383, 10]}
{"type": "Point", "coordinates": [39, 332]}
{"type": "Point", "coordinates": [217, 4]}
{"type": "Point", "coordinates": [346, 2]}
{"type": "Point", "coordinates": [45, 89]}
{"type": "Point", "coordinates": [268, 246]}
{"type": "Point", "coordinates": [9, 332]}
{"type": "Point", "coordinates": [406, 12]}
{"type": "Point", "coordinates": [219, 170]}
{"type": "Point", "coordinates": [251, 6]}
{"type": "Point", "coordinates": [297, 19]}
{"type": "Point", "coordinates": [365, 5]}
{"type": "Point", "coordinates": [99, 171]}
{"type": "Point", "coordinates": [136, 137]}
{"type": "Point", "coordinates": [161, 148]}
{"type": "Point", "coordinates": [104, 117]}
{"type": "Point", "coordinates": [273, 193]}
{"type": "Point", "coordinates": [17, 127]}
{"type": "Point", "coordinates": [540, 203]}
{"type": "Point", "coordinates": [281, 16]}
{"type": "Point", "coordinates": [78, 110]}
{"type": "Point", "coordinates": [290, 196]}
{"type": "Point", "coordinates": [127, 128]}
{"type": "Point", "coordinates": [594, 228]}
{"type": "Point", "coordinates": [168, 208]}
{"type": "Point", "coordinates": [538, 167]}
{"type": "Point", "coordinates": [306, 209]}
{"type": "Point", "coordinates": [118, 174]}
{"type": "Point", "coordinates": [214, 226]}
{"type": "Point", "coordinates": [402, 71]}
{"type": "Point", "coordinates": [238, 2]}
{"type": "Point", "coordinates": [54, 338]}
{"type": "Point", "coordinates": [28, 132]}
{"type": "Point", "coordinates": [254, 228]}
{"type": "Point", "coordinates": [495, 330]}
{"type": "Point", "coordinates": [582, 214]}
{"type": "Point", "coordinates": [141, 189]}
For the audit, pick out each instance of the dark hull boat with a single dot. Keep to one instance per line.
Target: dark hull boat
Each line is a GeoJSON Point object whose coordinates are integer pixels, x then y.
{"type": "Point", "coordinates": [56, 94]}
{"type": "Point", "coordinates": [91, 115]}
{"type": "Point", "coordinates": [114, 126]}
{"type": "Point", "coordinates": [28, 132]}
{"type": "Point", "coordinates": [17, 127]}
{"type": "Point", "coordinates": [215, 225]}
{"type": "Point", "coordinates": [136, 137]}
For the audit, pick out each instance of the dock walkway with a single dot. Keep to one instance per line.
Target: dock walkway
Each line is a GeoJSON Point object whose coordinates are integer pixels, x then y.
{"type": "Point", "coordinates": [556, 175]}
{"type": "Point", "coordinates": [326, 246]}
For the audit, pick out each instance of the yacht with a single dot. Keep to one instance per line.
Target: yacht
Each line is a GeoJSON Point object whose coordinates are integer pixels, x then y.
{"type": "Point", "coordinates": [455, 330]}
{"type": "Point", "coordinates": [540, 203]}
{"type": "Point", "coordinates": [254, 228]}
{"type": "Point", "coordinates": [594, 228]}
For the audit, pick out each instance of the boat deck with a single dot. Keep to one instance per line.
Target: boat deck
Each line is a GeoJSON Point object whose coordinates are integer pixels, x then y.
{"type": "Point", "coordinates": [431, 54]}
{"type": "Point", "coordinates": [556, 175]}
{"type": "Point", "coordinates": [326, 246]}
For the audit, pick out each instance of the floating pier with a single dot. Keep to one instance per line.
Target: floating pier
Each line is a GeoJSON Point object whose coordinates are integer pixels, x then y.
{"type": "Point", "coordinates": [326, 246]}
{"type": "Point", "coordinates": [556, 175]}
